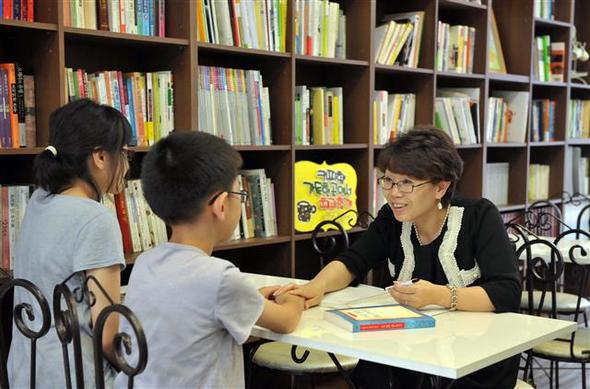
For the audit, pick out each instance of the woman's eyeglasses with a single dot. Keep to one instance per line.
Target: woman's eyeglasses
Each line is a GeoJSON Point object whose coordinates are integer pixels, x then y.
{"type": "Point", "coordinates": [404, 186]}
{"type": "Point", "coordinates": [243, 196]}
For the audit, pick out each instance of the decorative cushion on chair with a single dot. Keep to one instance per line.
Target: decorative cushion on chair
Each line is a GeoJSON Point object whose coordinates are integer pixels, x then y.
{"type": "Point", "coordinates": [556, 348]}
{"type": "Point", "coordinates": [277, 356]}
{"type": "Point", "coordinates": [566, 302]}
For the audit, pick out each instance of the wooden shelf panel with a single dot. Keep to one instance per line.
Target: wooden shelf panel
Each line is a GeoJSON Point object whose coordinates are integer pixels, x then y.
{"type": "Point", "coordinates": [305, 236]}
{"type": "Point", "coordinates": [394, 69]}
{"type": "Point", "coordinates": [511, 207]}
{"type": "Point", "coordinates": [548, 23]}
{"type": "Point", "coordinates": [578, 86]}
{"type": "Point", "coordinates": [329, 61]}
{"type": "Point", "coordinates": [474, 146]}
{"type": "Point", "coordinates": [512, 78]}
{"type": "Point", "coordinates": [346, 146]}
{"type": "Point", "coordinates": [233, 50]}
{"type": "Point", "coordinates": [20, 24]}
{"type": "Point", "coordinates": [549, 84]}
{"type": "Point", "coordinates": [23, 151]}
{"type": "Point", "coordinates": [87, 35]}
{"type": "Point", "coordinates": [505, 145]}
{"type": "Point", "coordinates": [467, 76]}
{"type": "Point", "coordinates": [547, 144]}
{"type": "Point", "coordinates": [578, 142]}
{"type": "Point", "coordinates": [237, 244]}
{"type": "Point", "coordinates": [461, 4]}
{"type": "Point", "coordinates": [262, 148]}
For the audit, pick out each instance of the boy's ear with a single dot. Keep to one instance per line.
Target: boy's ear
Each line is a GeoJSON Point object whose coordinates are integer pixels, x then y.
{"type": "Point", "coordinates": [218, 206]}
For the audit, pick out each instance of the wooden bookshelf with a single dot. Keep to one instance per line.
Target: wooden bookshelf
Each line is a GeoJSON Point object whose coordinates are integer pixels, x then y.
{"type": "Point", "coordinates": [51, 47]}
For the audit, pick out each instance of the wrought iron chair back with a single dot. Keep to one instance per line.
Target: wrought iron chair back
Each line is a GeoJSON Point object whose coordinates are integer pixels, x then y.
{"type": "Point", "coordinates": [67, 327]}
{"type": "Point", "coordinates": [19, 311]}
{"type": "Point", "coordinates": [579, 220]}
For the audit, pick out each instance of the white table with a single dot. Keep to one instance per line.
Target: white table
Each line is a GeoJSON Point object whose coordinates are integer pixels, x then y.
{"type": "Point", "coordinates": [459, 344]}
{"type": "Point", "coordinates": [564, 246]}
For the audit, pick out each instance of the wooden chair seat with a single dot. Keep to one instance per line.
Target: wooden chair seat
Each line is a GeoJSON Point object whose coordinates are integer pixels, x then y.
{"type": "Point", "coordinates": [277, 356]}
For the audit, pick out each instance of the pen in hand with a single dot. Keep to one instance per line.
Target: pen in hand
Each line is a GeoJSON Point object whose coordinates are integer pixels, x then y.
{"type": "Point", "coordinates": [409, 282]}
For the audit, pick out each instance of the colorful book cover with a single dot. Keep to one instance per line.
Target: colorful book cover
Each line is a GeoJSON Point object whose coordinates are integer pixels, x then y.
{"type": "Point", "coordinates": [379, 318]}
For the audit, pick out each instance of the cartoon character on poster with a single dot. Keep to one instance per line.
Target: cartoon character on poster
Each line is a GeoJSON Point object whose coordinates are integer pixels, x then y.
{"type": "Point", "coordinates": [324, 192]}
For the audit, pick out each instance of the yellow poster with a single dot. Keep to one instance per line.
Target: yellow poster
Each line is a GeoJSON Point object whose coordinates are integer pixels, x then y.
{"type": "Point", "coordinates": [324, 192]}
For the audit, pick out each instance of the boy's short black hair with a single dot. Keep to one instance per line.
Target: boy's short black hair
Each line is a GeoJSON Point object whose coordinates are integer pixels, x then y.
{"type": "Point", "coordinates": [425, 153]}
{"type": "Point", "coordinates": [181, 171]}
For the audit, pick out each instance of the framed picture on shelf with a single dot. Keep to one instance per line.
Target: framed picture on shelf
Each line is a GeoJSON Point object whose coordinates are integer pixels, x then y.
{"type": "Point", "coordinates": [495, 55]}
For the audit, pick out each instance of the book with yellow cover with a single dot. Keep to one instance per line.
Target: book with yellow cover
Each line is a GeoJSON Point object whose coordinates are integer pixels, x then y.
{"type": "Point", "coordinates": [379, 318]}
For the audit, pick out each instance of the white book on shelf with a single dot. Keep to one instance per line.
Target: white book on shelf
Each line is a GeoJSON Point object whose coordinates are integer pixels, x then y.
{"type": "Point", "coordinates": [518, 106]}
{"type": "Point", "coordinates": [340, 51]}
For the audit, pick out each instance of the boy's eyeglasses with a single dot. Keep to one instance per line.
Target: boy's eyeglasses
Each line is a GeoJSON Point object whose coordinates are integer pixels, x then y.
{"type": "Point", "coordinates": [243, 196]}
{"type": "Point", "coordinates": [404, 186]}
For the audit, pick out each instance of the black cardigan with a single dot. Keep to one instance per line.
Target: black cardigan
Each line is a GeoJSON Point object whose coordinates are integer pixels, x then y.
{"type": "Point", "coordinates": [482, 239]}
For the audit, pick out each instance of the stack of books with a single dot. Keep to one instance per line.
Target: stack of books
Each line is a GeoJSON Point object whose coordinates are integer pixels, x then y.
{"type": "Point", "coordinates": [457, 113]}
{"type": "Point", "coordinates": [319, 116]}
{"type": "Point", "coordinates": [548, 59]}
{"type": "Point", "coordinates": [141, 17]}
{"type": "Point", "coordinates": [258, 217]}
{"type": "Point", "coordinates": [538, 182]}
{"type": "Point", "coordinates": [543, 120]}
{"type": "Point", "coordinates": [455, 48]}
{"type": "Point", "coordinates": [234, 105]}
{"type": "Point", "coordinates": [496, 182]}
{"type": "Point", "coordinates": [18, 10]}
{"type": "Point", "coordinates": [141, 229]}
{"type": "Point", "coordinates": [17, 107]}
{"type": "Point", "coordinates": [320, 29]}
{"type": "Point", "coordinates": [398, 41]}
{"type": "Point", "coordinates": [578, 121]}
{"type": "Point", "coordinates": [253, 24]}
{"type": "Point", "coordinates": [393, 115]}
{"type": "Point", "coordinates": [507, 117]}
{"type": "Point", "coordinates": [146, 99]}
{"type": "Point", "coordinates": [13, 203]}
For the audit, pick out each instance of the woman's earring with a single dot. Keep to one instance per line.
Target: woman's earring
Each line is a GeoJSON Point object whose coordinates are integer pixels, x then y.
{"type": "Point", "coordinates": [439, 205]}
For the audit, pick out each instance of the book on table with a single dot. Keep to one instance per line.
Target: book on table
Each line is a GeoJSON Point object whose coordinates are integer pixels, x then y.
{"type": "Point", "coordinates": [379, 318]}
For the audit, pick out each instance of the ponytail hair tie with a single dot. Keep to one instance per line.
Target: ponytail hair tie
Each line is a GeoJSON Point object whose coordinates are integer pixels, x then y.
{"type": "Point", "coordinates": [52, 150]}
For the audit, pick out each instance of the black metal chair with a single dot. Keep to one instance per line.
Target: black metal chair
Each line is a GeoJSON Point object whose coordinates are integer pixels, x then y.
{"type": "Point", "coordinates": [68, 329]}
{"type": "Point", "coordinates": [575, 348]}
{"type": "Point", "coordinates": [21, 309]}
{"type": "Point", "coordinates": [282, 356]}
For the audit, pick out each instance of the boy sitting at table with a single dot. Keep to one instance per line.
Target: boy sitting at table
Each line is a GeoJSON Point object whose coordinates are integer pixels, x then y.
{"type": "Point", "coordinates": [196, 309]}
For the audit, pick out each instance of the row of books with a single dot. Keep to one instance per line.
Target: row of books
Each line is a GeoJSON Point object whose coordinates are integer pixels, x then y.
{"type": "Point", "coordinates": [548, 59]}
{"type": "Point", "coordinates": [580, 171]}
{"type": "Point", "coordinates": [544, 9]}
{"type": "Point", "coordinates": [319, 116]}
{"type": "Point", "coordinates": [142, 17]}
{"type": "Point", "coordinates": [543, 120]}
{"type": "Point", "coordinates": [17, 107]}
{"type": "Point", "coordinates": [18, 10]}
{"type": "Point", "coordinates": [538, 182]}
{"type": "Point", "coordinates": [578, 123]}
{"type": "Point", "coordinates": [254, 24]}
{"type": "Point", "coordinates": [13, 202]}
{"type": "Point", "coordinates": [496, 182]}
{"type": "Point", "coordinates": [146, 99]}
{"type": "Point", "coordinates": [234, 105]}
{"type": "Point", "coordinates": [507, 117]}
{"type": "Point", "coordinates": [455, 48]}
{"type": "Point", "coordinates": [141, 229]}
{"type": "Point", "coordinates": [457, 113]}
{"type": "Point", "coordinates": [398, 40]}
{"type": "Point", "coordinates": [259, 213]}
{"type": "Point", "coordinates": [393, 115]}
{"type": "Point", "coordinates": [320, 28]}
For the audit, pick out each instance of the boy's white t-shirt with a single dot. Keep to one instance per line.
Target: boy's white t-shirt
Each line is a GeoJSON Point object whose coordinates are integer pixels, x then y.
{"type": "Point", "coordinates": [196, 311]}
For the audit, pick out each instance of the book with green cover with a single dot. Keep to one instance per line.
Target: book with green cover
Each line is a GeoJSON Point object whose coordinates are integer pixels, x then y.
{"type": "Point", "coordinates": [379, 318]}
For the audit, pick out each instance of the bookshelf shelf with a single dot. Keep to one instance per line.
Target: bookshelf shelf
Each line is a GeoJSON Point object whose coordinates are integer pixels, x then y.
{"type": "Point", "coordinates": [549, 84]}
{"type": "Point", "coordinates": [346, 146]}
{"type": "Point", "coordinates": [511, 207]}
{"type": "Point", "coordinates": [578, 142]}
{"type": "Point", "coordinates": [140, 149]}
{"type": "Point", "coordinates": [509, 78]}
{"type": "Point", "coordinates": [461, 4]}
{"type": "Point", "coordinates": [22, 151]}
{"type": "Point", "coordinates": [204, 47]}
{"type": "Point", "coordinates": [547, 23]}
{"type": "Point", "coordinates": [262, 148]}
{"type": "Point", "coordinates": [505, 145]}
{"type": "Point", "coordinates": [88, 35]}
{"type": "Point", "coordinates": [547, 144]}
{"type": "Point", "coordinates": [253, 242]}
{"type": "Point", "coordinates": [24, 25]}
{"type": "Point", "coordinates": [387, 69]}
{"type": "Point", "coordinates": [473, 146]}
{"type": "Point", "coordinates": [306, 59]}
{"type": "Point", "coordinates": [577, 86]}
{"type": "Point", "coordinates": [465, 76]}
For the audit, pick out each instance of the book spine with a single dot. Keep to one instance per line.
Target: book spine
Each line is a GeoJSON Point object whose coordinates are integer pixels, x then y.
{"type": "Point", "coordinates": [30, 115]}
{"type": "Point", "coordinates": [123, 218]}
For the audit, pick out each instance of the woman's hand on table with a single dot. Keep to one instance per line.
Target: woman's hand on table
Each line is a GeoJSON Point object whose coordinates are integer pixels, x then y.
{"type": "Point", "coordinates": [418, 294]}
{"type": "Point", "coordinates": [312, 292]}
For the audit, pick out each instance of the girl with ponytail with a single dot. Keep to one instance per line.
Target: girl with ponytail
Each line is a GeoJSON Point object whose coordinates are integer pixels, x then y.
{"type": "Point", "coordinates": [67, 231]}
